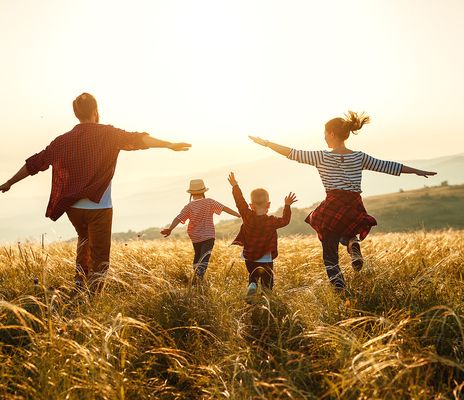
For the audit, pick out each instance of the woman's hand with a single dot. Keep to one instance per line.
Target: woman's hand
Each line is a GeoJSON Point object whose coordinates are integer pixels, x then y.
{"type": "Point", "coordinates": [290, 199]}
{"type": "Point", "coordinates": [410, 170]}
{"type": "Point", "coordinates": [285, 151]}
{"type": "Point", "coordinates": [259, 141]}
{"type": "Point", "coordinates": [426, 174]}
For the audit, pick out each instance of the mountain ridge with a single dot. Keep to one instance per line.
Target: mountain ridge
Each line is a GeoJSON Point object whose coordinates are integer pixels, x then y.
{"type": "Point", "coordinates": [428, 208]}
{"type": "Point", "coordinates": [155, 201]}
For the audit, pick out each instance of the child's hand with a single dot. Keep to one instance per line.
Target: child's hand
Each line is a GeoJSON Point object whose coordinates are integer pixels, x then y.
{"type": "Point", "coordinates": [290, 199]}
{"type": "Point", "coordinates": [232, 180]}
{"type": "Point", "coordinates": [258, 140]}
{"type": "Point", "coordinates": [166, 232]}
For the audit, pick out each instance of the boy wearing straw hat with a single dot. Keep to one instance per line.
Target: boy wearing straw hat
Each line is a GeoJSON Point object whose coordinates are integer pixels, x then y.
{"type": "Point", "coordinates": [199, 211]}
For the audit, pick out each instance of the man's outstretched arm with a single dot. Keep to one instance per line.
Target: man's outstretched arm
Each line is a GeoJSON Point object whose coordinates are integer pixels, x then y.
{"type": "Point", "coordinates": [20, 175]}
{"type": "Point", "coordinates": [153, 142]}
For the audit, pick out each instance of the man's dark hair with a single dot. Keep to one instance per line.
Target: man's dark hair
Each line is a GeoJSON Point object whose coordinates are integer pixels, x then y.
{"type": "Point", "coordinates": [84, 106]}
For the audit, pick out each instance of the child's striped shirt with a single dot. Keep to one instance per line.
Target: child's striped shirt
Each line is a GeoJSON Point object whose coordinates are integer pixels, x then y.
{"type": "Point", "coordinates": [343, 171]}
{"type": "Point", "coordinates": [200, 213]}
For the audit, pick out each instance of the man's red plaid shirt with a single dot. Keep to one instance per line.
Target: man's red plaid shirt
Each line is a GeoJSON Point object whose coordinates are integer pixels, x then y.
{"type": "Point", "coordinates": [258, 233]}
{"type": "Point", "coordinates": [83, 161]}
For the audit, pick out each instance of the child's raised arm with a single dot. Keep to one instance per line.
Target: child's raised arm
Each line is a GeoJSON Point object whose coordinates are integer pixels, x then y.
{"type": "Point", "coordinates": [285, 151]}
{"type": "Point", "coordinates": [284, 220]}
{"type": "Point", "coordinates": [240, 202]}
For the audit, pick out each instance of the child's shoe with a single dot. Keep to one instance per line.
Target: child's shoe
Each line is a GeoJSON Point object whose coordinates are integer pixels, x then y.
{"type": "Point", "coordinates": [252, 288]}
{"type": "Point", "coordinates": [354, 249]}
{"type": "Point", "coordinates": [251, 291]}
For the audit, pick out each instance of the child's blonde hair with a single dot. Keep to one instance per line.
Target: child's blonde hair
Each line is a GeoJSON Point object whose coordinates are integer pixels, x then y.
{"type": "Point", "coordinates": [259, 197]}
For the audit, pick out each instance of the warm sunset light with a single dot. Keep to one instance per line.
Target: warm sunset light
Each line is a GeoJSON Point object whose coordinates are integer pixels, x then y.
{"type": "Point", "coordinates": [231, 199]}
{"type": "Point", "coordinates": [212, 73]}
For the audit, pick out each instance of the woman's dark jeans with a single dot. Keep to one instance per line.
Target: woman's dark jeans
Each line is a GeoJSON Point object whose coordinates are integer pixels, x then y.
{"type": "Point", "coordinates": [330, 256]}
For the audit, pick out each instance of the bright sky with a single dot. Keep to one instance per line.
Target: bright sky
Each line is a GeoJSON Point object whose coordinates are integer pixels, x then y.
{"type": "Point", "coordinates": [212, 72]}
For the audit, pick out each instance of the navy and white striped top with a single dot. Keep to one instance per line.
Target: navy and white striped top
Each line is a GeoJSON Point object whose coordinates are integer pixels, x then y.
{"type": "Point", "coordinates": [344, 171]}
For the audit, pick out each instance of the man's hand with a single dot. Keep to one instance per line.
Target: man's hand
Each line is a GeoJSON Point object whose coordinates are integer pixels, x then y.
{"type": "Point", "coordinates": [259, 141]}
{"type": "Point", "coordinates": [233, 182]}
{"type": "Point", "coordinates": [290, 199]}
{"type": "Point", "coordinates": [179, 146]}
{"type": "Point", "coordinates": [5, 187]}
{"type": "Point", "coordinates": [166, 232]}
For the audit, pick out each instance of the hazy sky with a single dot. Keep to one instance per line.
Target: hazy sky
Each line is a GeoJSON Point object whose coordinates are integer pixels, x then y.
{"type": "Point", "coordinates": [212, 72]}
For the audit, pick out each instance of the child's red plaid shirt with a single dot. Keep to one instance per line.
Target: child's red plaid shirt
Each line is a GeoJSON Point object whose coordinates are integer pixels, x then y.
{"type": "Point", "coordinates": [258, 233]}
{"type": "Point", "coordinates": [83, 162]}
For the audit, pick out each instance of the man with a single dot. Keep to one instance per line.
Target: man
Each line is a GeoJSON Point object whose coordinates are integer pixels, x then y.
{"type": "Point", "coordinates": [84, 161]}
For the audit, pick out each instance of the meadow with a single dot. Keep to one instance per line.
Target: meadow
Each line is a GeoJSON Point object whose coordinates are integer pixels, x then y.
{"type": "Point", "coordinates": [150, 335]}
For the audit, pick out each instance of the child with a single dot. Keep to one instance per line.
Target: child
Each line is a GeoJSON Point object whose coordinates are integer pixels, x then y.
{"type": "Point", "coordinates": [258, 234]}
{"type": "Point", "coordinates": [341, 216]}
{"type": "Point", "coordinates": [200, 229]}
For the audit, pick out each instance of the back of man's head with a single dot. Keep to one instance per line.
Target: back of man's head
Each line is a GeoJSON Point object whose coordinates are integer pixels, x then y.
{"type": "Point", "coordinates": [85, 107]}
{"type": "Point", "coordinates": [259, 197]}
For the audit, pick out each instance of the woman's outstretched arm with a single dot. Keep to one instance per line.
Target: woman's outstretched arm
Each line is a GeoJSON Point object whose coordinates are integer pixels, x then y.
{"type": "Point", "coordinates": [409, 170]}
{"type": "Point", "coordinates": [285, 151]}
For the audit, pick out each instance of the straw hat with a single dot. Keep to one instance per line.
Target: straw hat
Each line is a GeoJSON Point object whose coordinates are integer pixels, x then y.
{"type": "Point", "coordinates": [197, 186]}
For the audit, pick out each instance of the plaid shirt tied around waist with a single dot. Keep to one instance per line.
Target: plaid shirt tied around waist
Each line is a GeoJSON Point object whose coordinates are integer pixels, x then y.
{"type": "Point", "coordinates": [83, 162]}
{"type": "Point", "coordinates": [342, 213]}
{"type": "Point", "coordinates": [258, 233]}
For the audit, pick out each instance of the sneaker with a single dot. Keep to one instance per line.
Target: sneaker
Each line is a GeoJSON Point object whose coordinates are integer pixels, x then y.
{"type": "Point", "coordinates": [252, 288]}
{"type": "Point", "coordinates": [354, 249]}
{"type": "Point", "coordinates": [79, 284]}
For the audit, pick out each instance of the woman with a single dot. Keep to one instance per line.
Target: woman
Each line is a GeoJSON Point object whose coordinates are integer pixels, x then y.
{"type": "Point", "coordinates": [341, 217]}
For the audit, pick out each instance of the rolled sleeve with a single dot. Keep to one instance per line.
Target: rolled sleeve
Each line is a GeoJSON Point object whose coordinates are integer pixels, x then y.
{"type": "Point", "coordinates": [39, 161]}
{"type": "Point", "coordinates": [129, 140]}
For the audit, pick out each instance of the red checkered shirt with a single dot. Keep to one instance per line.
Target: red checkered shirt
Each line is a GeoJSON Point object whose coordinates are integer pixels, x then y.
{"type": "Point", "coordinates": [258, 233]}
{"type": "Point", "coordinates": [83, 161]}
{"type": "Point", "coordinates": [341, 213]}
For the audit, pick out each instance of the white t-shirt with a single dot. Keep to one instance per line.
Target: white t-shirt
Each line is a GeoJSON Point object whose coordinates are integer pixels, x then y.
{"type": "Point", "coordinates": [267, 258]}
{"type": "Point", "coordinates": [105, 202]}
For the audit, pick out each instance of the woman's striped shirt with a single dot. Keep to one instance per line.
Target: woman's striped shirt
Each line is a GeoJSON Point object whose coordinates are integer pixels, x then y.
{"type": "Point", "coordinates": [344, 171]}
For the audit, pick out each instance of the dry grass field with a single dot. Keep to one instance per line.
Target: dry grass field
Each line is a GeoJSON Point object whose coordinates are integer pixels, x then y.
{"type": "Point", "coordinates": [150, 335]}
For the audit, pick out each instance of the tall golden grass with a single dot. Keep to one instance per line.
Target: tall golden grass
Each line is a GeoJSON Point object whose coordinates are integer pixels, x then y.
{"type": "Point", "coordinates": [150, 335]}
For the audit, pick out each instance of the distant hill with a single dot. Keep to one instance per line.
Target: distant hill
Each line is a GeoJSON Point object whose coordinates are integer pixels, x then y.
{"type": "Point", "coordinates": [436, 207]}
